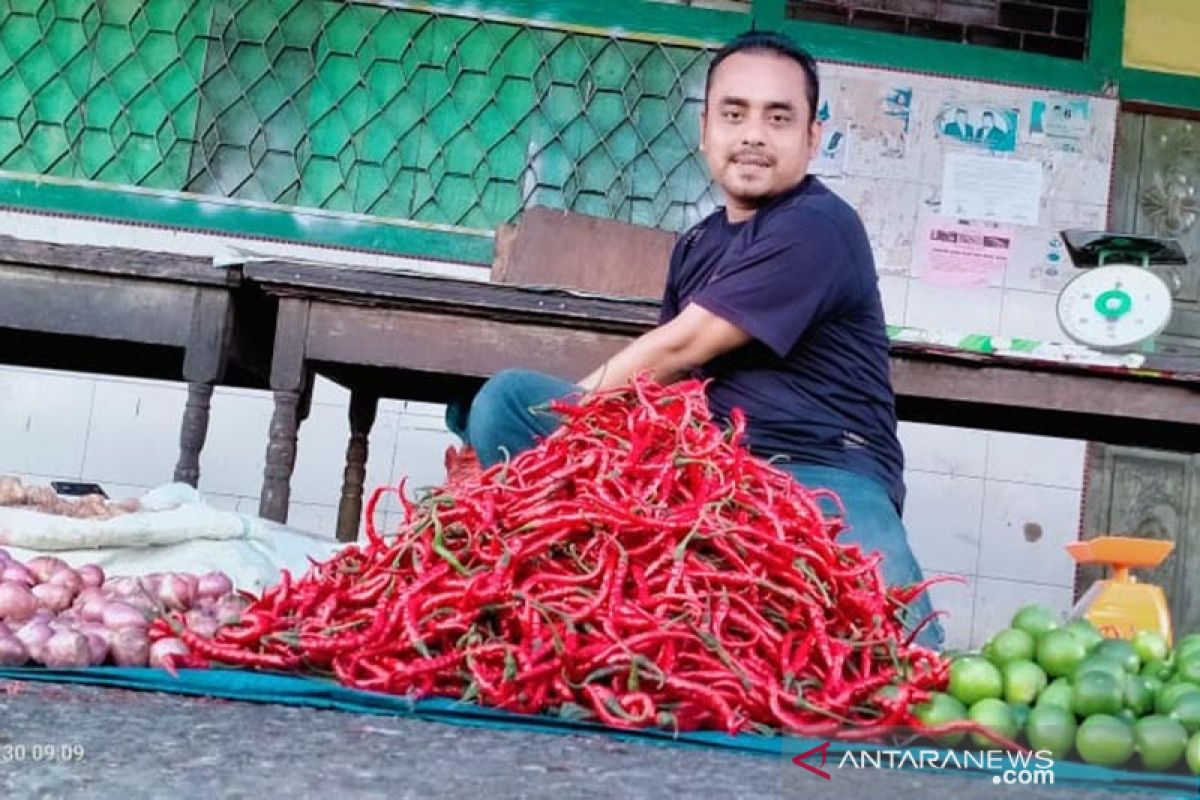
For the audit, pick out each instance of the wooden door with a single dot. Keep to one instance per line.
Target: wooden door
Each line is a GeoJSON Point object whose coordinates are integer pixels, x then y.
{"type": "Point", "coordinates": [1137, 491]}
{"type": "Point", "coordinates": [1156, 190]}
{"type": "Point", "coordinates": [1153, 494]}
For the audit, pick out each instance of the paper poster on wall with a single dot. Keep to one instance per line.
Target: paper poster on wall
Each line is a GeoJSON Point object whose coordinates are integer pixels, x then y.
{"type": "Point", "coordinates": [896, 110]}
{"type": "Point", "coordinates": [1040, 262]}
{"type": "Point", "coordinates": [979, 125]}
{"type": "Point", "coordinates": [830, 160]}
{"type": "Point", "coordinates": [957, 253]}
{"type": "Point", "coordinates": [877, 117]}
{"type": "Point", "coordinates": [989, 189]}
{"type": "Point", "coordinates": [1064, 124]}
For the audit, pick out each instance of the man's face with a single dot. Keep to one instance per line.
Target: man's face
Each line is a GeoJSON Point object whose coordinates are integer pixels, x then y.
{"type": "Point", "coordinates": [755, 131]}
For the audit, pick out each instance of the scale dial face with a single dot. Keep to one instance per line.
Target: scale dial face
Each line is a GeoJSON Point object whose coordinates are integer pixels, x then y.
{"type": "Point", "coordinates": [1114, 307]}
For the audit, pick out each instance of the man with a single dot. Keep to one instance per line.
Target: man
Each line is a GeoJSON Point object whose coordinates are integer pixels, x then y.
{"type": "Point", "coordinates": [960, 128]}
{"type": "Point", "coordinates": [988, 134]}
{"type": "Point", "coordinates": [775, 298]}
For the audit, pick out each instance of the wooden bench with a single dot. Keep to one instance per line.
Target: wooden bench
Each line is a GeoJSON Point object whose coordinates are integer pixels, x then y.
{"type": "Point", "coordinates": [427, 338]}
{"type": "Point", "coordinates": [414, 338]}
{"type": "Point", "coordinates": [135, 313]}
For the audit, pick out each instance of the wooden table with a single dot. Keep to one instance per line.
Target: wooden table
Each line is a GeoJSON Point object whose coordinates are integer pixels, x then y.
{"type": "Point", "coordinates": [427, 338]}
{"type": "Point", "coordinates": [136, 313]}
{"type": "Point", "coordinates": [412, 337]}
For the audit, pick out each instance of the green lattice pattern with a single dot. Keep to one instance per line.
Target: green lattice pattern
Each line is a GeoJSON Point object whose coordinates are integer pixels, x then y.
{"type": "Point", "coordinates": [352, 107]}
{"type": "Point", "coordinates": [101, 90]}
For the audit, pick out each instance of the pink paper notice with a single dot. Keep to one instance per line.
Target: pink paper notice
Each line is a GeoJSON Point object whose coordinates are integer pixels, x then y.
{"type": "Point", "coordinates": [952, 253]}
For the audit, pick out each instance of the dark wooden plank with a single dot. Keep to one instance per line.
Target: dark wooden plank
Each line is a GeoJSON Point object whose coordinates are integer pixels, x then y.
{"type": "Point", "coordinates": [116, 261]}
{"type": "Point", "coordinates": [444, 344]}
{"type": "Point", "coordinates": [56, 301]}
{"type": "Point", "coordinates": [128, 312]}
{"type": "Point", "coordinates": [291, 341]}
{"type": "Point", "coordinates": [1098, 407]}
{"type": "Point", "coordinates": [208, 340]}
{"type": "Point", "coordinates": [552, 247]}
{"type": "Point", "coordinates": [1179, 367]}
{"type": "Point", "coordinates": [455, 297]}
{"type": "Point", "coordinates": [450, 296]}
{"type": "Point", "coordinates": [450, 330]}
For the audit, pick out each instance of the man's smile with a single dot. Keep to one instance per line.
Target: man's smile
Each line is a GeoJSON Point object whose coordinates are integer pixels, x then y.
{"type": "Point", "coordinates": [751, 160]}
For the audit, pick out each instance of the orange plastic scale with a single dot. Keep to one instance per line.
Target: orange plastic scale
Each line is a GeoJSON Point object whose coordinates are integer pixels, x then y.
{"type": "Point", "coordinates": [1119, 605]}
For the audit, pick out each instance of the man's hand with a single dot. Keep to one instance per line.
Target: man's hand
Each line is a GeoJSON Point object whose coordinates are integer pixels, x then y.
{"type": "Point", "coordinates": [693, 338]}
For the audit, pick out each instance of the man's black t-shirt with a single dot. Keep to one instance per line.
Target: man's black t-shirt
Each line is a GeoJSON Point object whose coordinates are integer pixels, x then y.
{"type": "Point", "coordinates": [800, 279]}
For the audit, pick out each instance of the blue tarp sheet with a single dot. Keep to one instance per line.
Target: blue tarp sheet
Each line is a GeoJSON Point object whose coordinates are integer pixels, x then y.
{"type": "Point", "coordinates": [293, 690]}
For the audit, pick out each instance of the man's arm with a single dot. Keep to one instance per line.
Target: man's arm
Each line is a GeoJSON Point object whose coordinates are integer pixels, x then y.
{"type": "Point", "coordinates": [671, 351]}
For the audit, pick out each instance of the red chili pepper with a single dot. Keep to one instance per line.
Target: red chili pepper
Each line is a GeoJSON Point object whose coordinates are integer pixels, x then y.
{"type": "Point", "coordinates": [638, 561]}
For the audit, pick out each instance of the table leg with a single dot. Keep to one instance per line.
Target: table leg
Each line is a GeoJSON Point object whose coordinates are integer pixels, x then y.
{"type": "Point", "coordinates": [281, 458]}
{"type": "Point", "coordinates": [289, 382]}
{"type": "Point", "coordinates": [203, 368]}
{"type": "Point", "coordinates": [362, 416]}
{"type": "Point", "coordinates": [193, 432]}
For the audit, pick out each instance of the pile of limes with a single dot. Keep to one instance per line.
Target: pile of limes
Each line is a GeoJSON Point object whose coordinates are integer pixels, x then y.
{"type": "Point", "coordinates": [1065, 688]}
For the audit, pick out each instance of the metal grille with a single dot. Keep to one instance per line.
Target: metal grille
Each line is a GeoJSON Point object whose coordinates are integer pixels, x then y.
{"type": "Point", "coordinates": [352, 107]}
{"type": "Point", "coordinates": [1051, 27]}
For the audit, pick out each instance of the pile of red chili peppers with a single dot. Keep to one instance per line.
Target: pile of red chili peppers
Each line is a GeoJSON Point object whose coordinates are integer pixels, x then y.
{"type": "Point", "coordinates": [638, 567]}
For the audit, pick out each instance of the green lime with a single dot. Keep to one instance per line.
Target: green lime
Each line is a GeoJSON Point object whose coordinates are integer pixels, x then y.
{"type": "Point", "coordinates": [1059, 652]}
{"type": "Point", "coordinates": [994, 715]}
{"type": "Point", "coordinates": [1058, 693]}
{"type": "Point", "coordinates": [1104, 740]}
{"type": "Point", "coordinates": [1184, 652]}
{"type": "Point", "coordinates": [1193, 754]}
{"type": "Point", "coordinates": [939, 709]}
{"type": "Point", "coordinates": [1160, 670]}
{"type": "Point", "coordinates": [1010, 644]}
{"type": "Point", "coordinates": [1052, 728]}
{"type": "Point", "coordinates": [1020, 712]}
{"type": "Point", "coordinates": [1099, 664]}
{"type": "Point", "coordinates": [974, 678]}
{"type": "Point", "coordinates": [1096, 693]}
{"type": "Point", "coordinates": [1160, 741]}
{"type": "Point", "coordinates": [1155, 685]}
{"type": "Point", "coordinates": [1188, 668]}
{"type": "Point", "coordinates": [1170, 693]}
{"type": "Point", "coordinates": [1186, 709]}
{"type": "Point", "coordinates": [1023, 681]}
{"type": "Point", "coordinates": [1139, 696]}
{"type": "Point", "coordinates": [1189, 642]}
{"type": "Point", "coordinates": [1086, 632]}
{"type": "Point", "coordinates": [1035, 619]}
{"type": "Point", "coordinates": [1121, 651]}
{"type": "Point", "coordinates": [1150, 646]}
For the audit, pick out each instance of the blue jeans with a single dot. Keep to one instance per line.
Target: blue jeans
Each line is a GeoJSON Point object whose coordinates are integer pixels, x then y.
{"type": "Point", "coordinates": [504, 418]}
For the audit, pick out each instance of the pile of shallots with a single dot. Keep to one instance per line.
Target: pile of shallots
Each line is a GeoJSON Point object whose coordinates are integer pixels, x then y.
{"type": "Point", "coordinates": [47, 501]}
{"type": "Point", "coordinates": [57, 616]}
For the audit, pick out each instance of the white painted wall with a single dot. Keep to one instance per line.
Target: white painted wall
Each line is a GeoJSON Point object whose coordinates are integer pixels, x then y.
{"type": "Point", "coordinates": [972, 494]}
{"type": "Point", "coordinates": [971, 497]}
